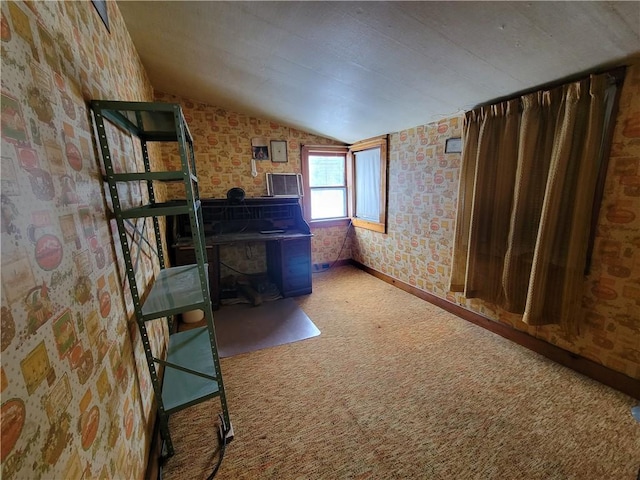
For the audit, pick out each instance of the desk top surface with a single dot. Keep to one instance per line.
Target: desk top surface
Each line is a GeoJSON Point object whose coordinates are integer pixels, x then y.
{"type": "Point", "coordinates": [253, 236]}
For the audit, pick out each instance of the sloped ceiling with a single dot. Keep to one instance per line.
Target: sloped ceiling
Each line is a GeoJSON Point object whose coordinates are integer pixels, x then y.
{"type": "Point", "coordinates": [353, 70]}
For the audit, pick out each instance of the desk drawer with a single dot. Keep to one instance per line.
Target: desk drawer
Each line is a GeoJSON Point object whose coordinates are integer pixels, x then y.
{"type": "Point", "coordinates": [290, 265]}
{"type": "Point", "coordinates": [296, 282]}
{"type": "Point", "coordinates": [299, 261]}
{"type": "Point", "coordinates": [297, 269]}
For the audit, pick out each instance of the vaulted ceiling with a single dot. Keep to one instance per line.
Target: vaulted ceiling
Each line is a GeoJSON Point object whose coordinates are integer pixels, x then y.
{"type": "Point", "coordinates": [353, 70]}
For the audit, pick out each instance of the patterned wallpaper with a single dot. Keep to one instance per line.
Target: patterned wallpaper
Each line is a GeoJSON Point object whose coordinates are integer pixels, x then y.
{"type": "Point", "coordinates": [72, 403]}
{"type": "Point", "coordinates": [75, 397]}
{"type": "Point", "coordinates": [222, 144]}
{"type": "Point", "coordinates": [330, 244]}
{"type": "Point", "coordinates": [423, 189]}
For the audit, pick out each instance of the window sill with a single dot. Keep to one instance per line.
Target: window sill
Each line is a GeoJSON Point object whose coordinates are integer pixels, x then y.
{"type": "Point", "coordinates": [373, 226]}
{"type": "Point", "coordinates": [330, 222]}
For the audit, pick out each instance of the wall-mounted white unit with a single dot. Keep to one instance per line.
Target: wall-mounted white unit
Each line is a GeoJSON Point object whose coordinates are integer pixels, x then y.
{"type": "Point", "coordinates": [284, 185]}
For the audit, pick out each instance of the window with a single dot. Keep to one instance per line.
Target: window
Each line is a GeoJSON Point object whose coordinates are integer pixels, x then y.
{"type": "Point", "coordinates": [346, 183]}
{"type": "Point", "coordinates": [327, 185]}
{"type": "Point", "coordinates": [367, 176]}
{"type": "Point", "coordinates": [369, 172]}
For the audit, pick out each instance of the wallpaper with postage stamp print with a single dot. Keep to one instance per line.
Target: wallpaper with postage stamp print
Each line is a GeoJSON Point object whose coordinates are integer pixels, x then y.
{"type": "Point", "coordinates": [72, 403]}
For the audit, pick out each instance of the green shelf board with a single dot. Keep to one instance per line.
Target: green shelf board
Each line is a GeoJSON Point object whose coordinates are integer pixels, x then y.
{"type": "Point", "coordinates": [176, 290]}
{"type": "Point", "coordinates": [160, 209]}
{"type": "Point", "coordinates": [141, 176]}
{"type": "Point", "coordinates": [118, 105]}
{"type": "Point", "coordinates": [190, 349]}
{"type": "Point", "coordinates": [150, 121]}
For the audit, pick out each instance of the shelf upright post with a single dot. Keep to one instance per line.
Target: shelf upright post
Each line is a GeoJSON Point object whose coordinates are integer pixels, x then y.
{"type": "Point", "coordinates": [187, 158]}
{"type": "Point", "coordinates": [152, 195]}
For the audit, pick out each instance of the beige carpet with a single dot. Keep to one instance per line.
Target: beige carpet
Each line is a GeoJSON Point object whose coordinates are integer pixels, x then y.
{"type": "Point", "coordinates": [396, 388]}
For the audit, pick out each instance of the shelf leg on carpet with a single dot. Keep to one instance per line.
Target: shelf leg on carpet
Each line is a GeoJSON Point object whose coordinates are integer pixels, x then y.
{"type": "Point", "coordinates": [225, 432]}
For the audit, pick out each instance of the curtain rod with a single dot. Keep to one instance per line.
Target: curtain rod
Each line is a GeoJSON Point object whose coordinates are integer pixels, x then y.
{"type": "Point", "coordinates": [617, 74]}
{"type": "Point", "coordinates": [325, 146]}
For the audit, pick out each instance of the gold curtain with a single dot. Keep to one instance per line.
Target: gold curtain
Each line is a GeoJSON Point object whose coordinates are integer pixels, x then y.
{"type": "Point", "coordinates": [465, 200]}
{"type": "Point", "coordinates": [527, 186]}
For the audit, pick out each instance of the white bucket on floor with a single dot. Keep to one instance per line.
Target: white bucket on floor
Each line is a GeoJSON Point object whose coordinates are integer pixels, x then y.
{"type": "Point", "coordinates": [192, 316]}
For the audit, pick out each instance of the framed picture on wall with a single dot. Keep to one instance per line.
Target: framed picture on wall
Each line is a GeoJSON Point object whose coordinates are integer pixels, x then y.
{"type": "Point", "coordinates": [259, 149]}
{"type": "Point", "coordinates": [453, 145]}
{"type": "Point", "coordinates": [279, 151]}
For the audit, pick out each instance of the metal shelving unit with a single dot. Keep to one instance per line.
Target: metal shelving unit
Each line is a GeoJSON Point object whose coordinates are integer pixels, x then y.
{"type": "Point", "coordinates": [192, 368]}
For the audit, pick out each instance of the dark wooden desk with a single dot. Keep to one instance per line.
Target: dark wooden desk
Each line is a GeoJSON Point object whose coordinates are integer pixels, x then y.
{"type": "Point", "coordinates": [288, 248]}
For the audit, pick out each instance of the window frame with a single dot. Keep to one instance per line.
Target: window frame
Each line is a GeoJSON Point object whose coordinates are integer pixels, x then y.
{"type": "Point", "coordinates": [380, 142]}
{"type": "Point", "coordinates": [329, 150]}
{"type": "Point", "coordinates": [377, 142]}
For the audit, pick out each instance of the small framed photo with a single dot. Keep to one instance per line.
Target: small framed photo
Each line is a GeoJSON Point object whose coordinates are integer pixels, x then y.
{"type": "Point", "coordinates": [260, 152]}
{"type": "Point", "coordinates": [453, 145]}
{"type": "Point", "coordinates": [259, 149]}
{"type": "Point", "coordinates": [279, 151]}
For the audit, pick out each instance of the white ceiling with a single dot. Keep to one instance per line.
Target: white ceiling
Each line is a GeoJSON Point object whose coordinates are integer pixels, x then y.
{"type": "Point", "coordinates": [353, 70]}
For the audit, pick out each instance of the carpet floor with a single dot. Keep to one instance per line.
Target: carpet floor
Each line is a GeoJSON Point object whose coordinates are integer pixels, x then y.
{"type": "Point", "coordinates": [395, 387]}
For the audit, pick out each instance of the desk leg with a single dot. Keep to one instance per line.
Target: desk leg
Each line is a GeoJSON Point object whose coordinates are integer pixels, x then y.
{"type": "Point", "coordinates": [274, 263]}
{"type": "Point", "coordinates": [213, 257]}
